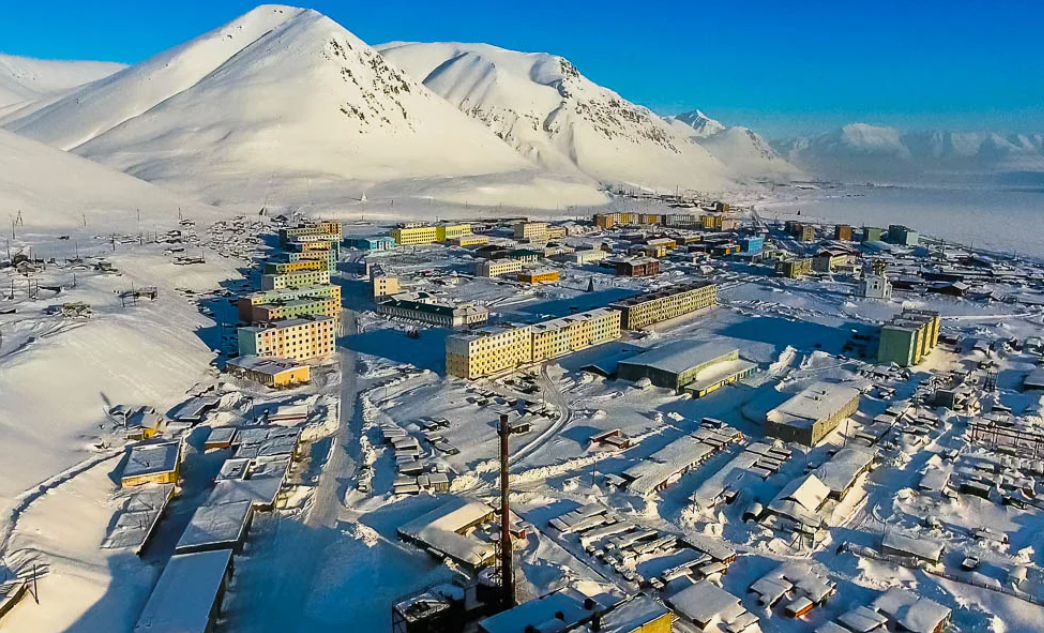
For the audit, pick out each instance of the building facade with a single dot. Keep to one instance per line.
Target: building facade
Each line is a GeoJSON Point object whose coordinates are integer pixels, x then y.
{"type": "Point", "coordinates": [531, 231]}
{"type": "Point", "coordinates": [295, 339]}
{"type": "Point", "coordinates": [382, 243]}
{"type": "Point", "coordinates": [908, 337]}
{"type": "Point", "coordinates": [330, 230]}
{"type": "Point", "coordinates": [487, 351]}
{"type": "Point", "coordinates": [282, 268]}
{"type": "Point", "coordinates": [410, 234]}
{"type": "Point", "coordinates": [295, 280]}
{"type": "Point", "coordinates": [794, 268]}
{"type": "Point", "coordinates": [434, 313]}
{"type": "Point", "coordinates": [246, 304]}
{"type": "Point", "coordinates": [384, 285]}
{"type": "Point", "coordinates": [559, 337]}
{"type": "Point", "coordinates": [444, 232]}
{"type": "Point", "coordinates": [276, 373]}
{"type": "Point", "coordinates": [325, 306]}
{"type": "Point", "coordinates": [637, 267]}
{"type": "Point", "coordinates": [468, 240]}
{"type": "Point", "coordinates": [653, 307]}
{"type": "Point", "coordinates": [497, 267]}
{"type": "Point", "coordinates": [808, 416]}
{"type": "Point", "coordinates": [843, 233]}
{"type": "Point", "coordinates": [541, 276]}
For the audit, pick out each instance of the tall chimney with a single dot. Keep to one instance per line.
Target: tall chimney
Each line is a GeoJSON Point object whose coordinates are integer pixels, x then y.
{"type": "Point", "coordinates": [507, 570]}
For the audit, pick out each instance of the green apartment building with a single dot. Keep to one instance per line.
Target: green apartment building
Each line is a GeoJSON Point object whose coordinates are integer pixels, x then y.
{"type": "Point", "coordinates": [908, 337]}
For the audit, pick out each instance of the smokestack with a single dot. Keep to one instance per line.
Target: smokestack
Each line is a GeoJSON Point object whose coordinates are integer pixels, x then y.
{"type": "Point", "coordinates": [507, 570]}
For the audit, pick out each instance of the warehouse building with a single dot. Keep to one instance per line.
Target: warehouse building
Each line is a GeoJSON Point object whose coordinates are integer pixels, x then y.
{"type": "Point", "coordinates": [699, 369]}
{"type": "Point", "coordinates": [908, 337]}
{"type": "Point", "coordinates": [295, 280]}
{"type": "Point", "coordinates": [653, 307]}
{"type": "Point", "coordinates": [437, 314]}
{"type": "Point", "coordinates": [808, 416]}
{"type": "Point", "coordinates": [444, 532]}
{"type": "Point", "coordinates": [276, 373]}
{"type": "Point", "coordinates": [296, 339]}
{"type": "Point", "coordinates": [188, 595]}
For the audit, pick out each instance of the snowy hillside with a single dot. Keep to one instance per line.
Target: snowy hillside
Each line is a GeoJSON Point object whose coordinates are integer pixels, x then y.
{"type": "Point", "coordinates": [541, 105]}
{"type": "Point", "coordinates": [55, 190]}
{"type": "Point", "coordinates": [23, 79]}
{"type": "Point", "coordinates": [283, 105]}
{"type": "Point", "coordinates": [747, 155]}
{"type": "Point", "coordinates": [864, 151]}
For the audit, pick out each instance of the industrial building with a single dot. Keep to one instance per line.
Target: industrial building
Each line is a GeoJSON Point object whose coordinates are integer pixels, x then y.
{"type": "Point", "coordinates": [152, 464]}
{"type": "Point", "coordinates": [653, 307]}
{"type": "Point", "coordinates": [808, 416]}
{"type": "Point", "coordinates": [295, 280]}
{"type": "Point", "coordinates": [248, 303]}
{"type": "Point", "coordinates": [296, 339]}
{"type": "Point", "coordinates": [272, 372]}
{"type": "Point", "coordinates": [531, 232]}
{"type": "Point", "coordinates": [443, 532]}
{"type": "Point", "coordinates": [681, 365]}
{"type": "Point", "coordinates": [487, 351]}
{"type": "Point", "coordinates": [794, 268]}
{"type": "Point", "coordinates": [559, 337]}
{"type": "Point", "coordinates": [908, 337]}
{"type": "Point", "coordinates": [539, 276]}
{"type": "Point", "coordinates": [497, 267]}
{"type": "Point", "coordinates": [437, 314]}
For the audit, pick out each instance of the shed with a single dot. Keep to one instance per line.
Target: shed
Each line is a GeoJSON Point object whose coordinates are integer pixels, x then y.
{"type": "Point", "coordinates": [187, 597]}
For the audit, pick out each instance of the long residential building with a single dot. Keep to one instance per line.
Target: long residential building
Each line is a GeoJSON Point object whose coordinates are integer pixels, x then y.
{"type": "Point", "coordinates": [326, 306]}
{"type": "Point", "coordinates": [300, 265]}
{"type": "Point", "coordinates": [324, 230]}
{"type": "Point", "coordinates": [295, 280]}
{"type": "Point", "coordinates": [493, 350]}
{"type": "Point", "coordinates": [497, 267]}
{"type": "Point", "coordinates": [295, 339]}
{"type": "Point", "coordinates": [437, 314]}
{"type": "Point", "coordinates": [408, 234]}
{"type": "Point", "coordinates": [270, 297]}
{"type": "Point", "coordinates": [653, 307]}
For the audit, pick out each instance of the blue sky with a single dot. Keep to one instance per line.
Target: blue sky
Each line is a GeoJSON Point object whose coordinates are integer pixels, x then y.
{"type": "Point", "coordinates": [780, 67]}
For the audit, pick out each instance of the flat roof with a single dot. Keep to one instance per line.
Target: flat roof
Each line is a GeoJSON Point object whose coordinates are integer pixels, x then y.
{"type": "Point", "coordinates": [151, 459]}
{"type": "Point", "coordinates": [266, 441]}
{"type": "Point", "coordinates": [663, 292]}
{"type": "Point", "coordinates": [703, 601]}
{"type": "Point", "coordinates": [439, 529]}
{"type": "Point", "coordinates": [285, 323]}
{"type": "Point", "coordinates": [185, 593]}
{"type": "Point", "coordinates": [841, 471]}
{"type": "Point", "coordinates": [138, 516]}
{"type": "Point", "coordinates": [680, 356]}
{"type": "Point", "coordinates": [216, 525]}
{"type": "Point", "coordinates": [542, 611]}
{"type": "Point", "coordinates": [649, 473]}
{"type": "Point", "coordinates": [269, 365]}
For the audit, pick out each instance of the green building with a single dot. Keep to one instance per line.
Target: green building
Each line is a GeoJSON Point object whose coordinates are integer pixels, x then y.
{"type": "Point", "coordinates": [909, 337]}
{"type": "Point", "coordinates": [873, 233]}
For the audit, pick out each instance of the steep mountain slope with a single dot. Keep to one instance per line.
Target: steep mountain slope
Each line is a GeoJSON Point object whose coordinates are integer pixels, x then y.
{"type": "Point", "coordinates": [23, 79]}
{"type": "Point", "coordinates": [283, 106]}
{"type": "Point", "coordinates": [748, 156]}
{"type": "Point", "coordinates": [863, 151]}
{"type": "Point", "coordinates": [55, 190]}
{"type": "Point", "coordinates": [541, 105]}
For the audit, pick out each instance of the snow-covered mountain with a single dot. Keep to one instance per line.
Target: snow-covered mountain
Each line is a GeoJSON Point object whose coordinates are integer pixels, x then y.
{"type": "Point", "coordinates": [542, 106]}
{"type": "Point", "coordinates": [23, 80]}
{"type": "Point", "coordinates": [57, 190]}
{"type": "Point", "coordinates": [863, 151]}
{"type": "Point", "coordinates": [746, 154]}
{"type": "Point", "coordinates": [284, 106]}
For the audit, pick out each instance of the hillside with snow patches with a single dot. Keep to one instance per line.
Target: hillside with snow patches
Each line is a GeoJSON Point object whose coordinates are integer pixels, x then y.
{"type": "Point", "coordinates": [283, 106]}
{"type": "Point", "coordinates": [24, 80]}
{"type": "Point", "coordinates": [545, 108]}
{"type": "Point", "coordinates": [860, 150]}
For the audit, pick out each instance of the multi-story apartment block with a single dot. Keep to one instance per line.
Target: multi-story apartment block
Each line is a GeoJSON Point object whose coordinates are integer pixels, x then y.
{"type": "Point", "coordinates": [531, 231]}
{"type": "Point", "coordinates": [325, 230]}
{"type": "Point", "coordinates": [383, 243]}
{"type": "Point", "coordinates": [295, 339]}
{"type": "Point", "coordinates": [908, 337]}
{"type": "Point", "coordinates": [487, 351]}
{"type": "Point", "coordinates": [437, 314]}
{"type": "Point", "coordinates": [295, 280]}
{"type": "Point", "coordinates": [566, 335]}
{"type": "Point", "coordinates": [282, 268]}
{"type": "Point", "coordinates": [653, 307]}
{"type": "Point", "coordinates": [408, 234]}
{"type": "Point", "coordinates": [248, 303]}
{"type": "Point", "coordinates": [445, 232]}
{"type": "Point", "coordinates": [326, 306]}
{"type": "Point", "coordinates": [384, 285]}
{"type": "Point", "coordinates": [497, 267]}
{"type": "Point", "coordinates": [843, 233]}
{"type": "Point", "coordinates": [468, 240]}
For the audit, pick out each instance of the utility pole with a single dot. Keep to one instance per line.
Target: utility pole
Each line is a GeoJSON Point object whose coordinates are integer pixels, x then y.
{"type": "Point", "coordinates": [507, 570]}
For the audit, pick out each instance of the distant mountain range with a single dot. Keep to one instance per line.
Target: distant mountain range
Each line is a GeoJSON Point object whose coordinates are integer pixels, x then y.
{"type": "Point", "coordinates": [865, 151]}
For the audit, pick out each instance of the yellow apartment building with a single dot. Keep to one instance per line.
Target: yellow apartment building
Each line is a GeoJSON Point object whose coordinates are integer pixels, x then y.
{"type": "Point", "coordinates": [294, 339]}
{"type": "Point", "coordinates": [531, 231]}
{"type": "Point", "coordinates": [282, 268]}
{"type": "Point", "coordinates": [445, 232]}
{"type": "Point", "coordinates": [566, 335]}
{"type": "Point", "coordinates": [487, 351]}
{"type": "Point", "coordinates": [653, 307]}
{"type": "Point", "coordinates": [295, 280]}
{"type": "Point", "coordinates": [497, 267]}
{"type": "Point", "coordinates": [384, 285]}
{"type": "Point", "coordinates": [469, 240]}
{"type": "Point", "coordinates": [408, 235]}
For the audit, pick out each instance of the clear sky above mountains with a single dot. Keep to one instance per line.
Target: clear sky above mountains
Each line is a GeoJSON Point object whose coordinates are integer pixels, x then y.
{"type": "Point", "coordinates": [780, 67]}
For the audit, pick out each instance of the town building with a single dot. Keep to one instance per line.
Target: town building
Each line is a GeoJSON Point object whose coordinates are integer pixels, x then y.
{"type": "Point", "coordinates": [497, 267]}
{"type": "Point", "coordinates": [295, 339]}
{"type": "Point", "coordinates": [445, 532]}
{"type": "Point", "coordinates": [903, 235]}
{"type": "Point", "coordinates": [487, 351]}
{"type": "Point", "coordinates": [187, 597]}
{"type": "Point", "coordinates": [705, 604]}
{"type": "Point", "coordinates": [699, 369]}
{"type": "Point", "coordinates": [828, 260]}
{"type": "Point", "coordinates": [583, 256]}
{"type": "Point", "coordinates": [873, 234]}
{"type": "Point", "coordinates": [321, 251]}
{"type": "Point", "coordinates": [531, 232]}
{"type": "Point", "coordinates": [327, 306]}
{"type": "Point", "coordinates": [276, 373]}
{"type": "Point", "coordinates": [677, 300]}
{"type": "Point", "coordinates": [843, 233]}
{"type": "Point", "coordinates": [323, 230]}
{"type": "Point", "coordinates": [383, 284]}
{"type": "Point", "coordinates": [295, 280]}
{"type": "Point", "coordinates": [437, 314]}
{"type": "Point", "coordinates": [636, 267]}
{"type": "Point", "coordinates": [525, 255]}
{"type": "Point", "coordinates": [908, 337]}
{"type": "Point", "coordinates": [807, 233]}
{"type": "Point", "coordinates": [248, 303]}
{"type": "Point", "coordinates": [811, 414]}
{"type": "Point", "coordinates": [381, 243]}
{"type": "Point", "coordinates": [794, 268]}
{"type": "Point", "coordinates": [282, 268]}
{"type": "Point", "coordinates": [410, 234]}
{"type": "Point", "coordinates": [158, 463]}
{"type": "Point", "coordinates": [445, 232]}
{"type": "Point", "coordinates": [538, 276]}
{"type": "Point", "coordinates": [468, 240]}
{"type": "Point", "coordinates": [566, 609]}
{"type": "Point", "coordinates": [559, 337]}
{"type": "Point", "coordinates": [556, 232]}
{"type": "Point", "coordinates": [752, 244]}
{"type": "Point", "coordinates": [874, 284]}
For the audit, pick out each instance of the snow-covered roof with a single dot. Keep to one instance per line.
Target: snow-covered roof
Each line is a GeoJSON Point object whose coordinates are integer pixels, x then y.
{"type": "Point", "coordinates": [219, 525]}
{"type": "Point", "coordinates": [862, 619]}
{"type": "Point", "coordinates": [703, 602]}
{"type": "Point", "coordinates": [912, 612]}
{"type": "Point", "coordinates": [920, 547]}
{"type": "Point", "coordinates": [185, 593]}
{"type": "Point", "coordinates": [266, 441]}
{"type": "Point", "coordinates": [632, 615]}
{"type": "Point", "coordinates": [649, 474]}
{"type": "Point", "coordinates": [151, 459]}
{"type": "Point", "coordinates": [680, 356]}
{"type": "Point", "coordinates": [816, 402]}
{"type": "Point", "coordinates": [542, 613]}
{"type": "Point", "coordinates": [141, 511]}
{"type": "Point", "coordinates": [440, 530]}
{"type": "Point", "coordinates": [841, 471]}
